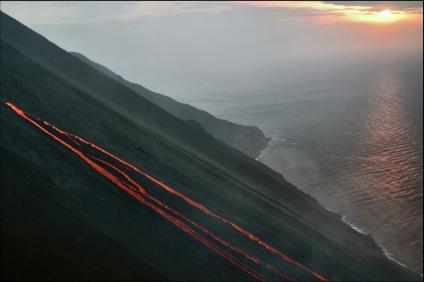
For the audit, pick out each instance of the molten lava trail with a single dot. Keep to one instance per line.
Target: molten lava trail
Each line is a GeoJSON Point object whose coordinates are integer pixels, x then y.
{"type": "Point", "coordinates": [197, 225]}
{"type": "Point", "coordinates": [206, 210]}
{"type": "Point", "coordinates": [138, 188]}
{"type": "Point", "coordinates": [137, 191]}
{"type": "Point", "coordinates": [133, 192]}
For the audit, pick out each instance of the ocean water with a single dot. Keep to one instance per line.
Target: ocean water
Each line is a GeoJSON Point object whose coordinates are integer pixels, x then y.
{"type": "Point", "coordinates": [349, 134]}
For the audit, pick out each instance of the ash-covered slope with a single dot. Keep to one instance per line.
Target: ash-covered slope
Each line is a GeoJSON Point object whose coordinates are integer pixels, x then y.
{"type": "Point", "coordinates": [248, 139]}
{"type": "Point", "coordinates": [41, 239]}
{"type": "Point", "coordinates": [53, 85]}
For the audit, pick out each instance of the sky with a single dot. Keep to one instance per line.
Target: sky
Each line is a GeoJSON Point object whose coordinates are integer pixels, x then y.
{"type": "Point", "coordinates": [178, 48]}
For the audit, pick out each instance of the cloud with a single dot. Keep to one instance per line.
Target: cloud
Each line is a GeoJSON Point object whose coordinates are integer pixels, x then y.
{"type": "Point", "coordinates": [378, 5]}
{"type": "Point", "coordinates": [339, 5]}
{"type": "Point", "coordinates": [65, 12]}
{"type": "Point", "coordinates": [80, 12]}
{"type": "Point", "coordinates": [334, 11]}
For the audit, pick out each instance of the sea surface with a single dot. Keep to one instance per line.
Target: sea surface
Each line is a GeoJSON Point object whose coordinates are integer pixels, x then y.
{"type": "Point", "coordinates": [350, 134]}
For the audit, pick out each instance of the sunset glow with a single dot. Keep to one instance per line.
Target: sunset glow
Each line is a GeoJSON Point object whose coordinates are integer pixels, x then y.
{"type": "Point", "coordinates": [334, 12]}
{"type": "Point", "coordinates": [212, 140]}
{"type": "Point", "coordinates": [383, 17]}
{"type": "Point", "coordinates": [385, 14]}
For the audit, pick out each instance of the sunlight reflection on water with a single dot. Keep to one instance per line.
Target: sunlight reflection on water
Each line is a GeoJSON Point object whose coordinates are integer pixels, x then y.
{"type": "Point", "coordinates": [358, 147]}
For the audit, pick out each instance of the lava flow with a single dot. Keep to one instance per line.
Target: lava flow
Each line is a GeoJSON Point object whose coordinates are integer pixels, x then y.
{"type": "Point", "coordinates": [203, 208]}
{"type": "Point", "coordinates": [199, 226]}
{"type": "Point", "coordinates": [137, 191]}
{"type": "Point", "coordinates": [133, 192]}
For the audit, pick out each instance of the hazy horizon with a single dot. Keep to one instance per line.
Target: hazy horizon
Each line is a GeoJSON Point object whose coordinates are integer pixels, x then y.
{"type": "Point", "coordinates": [334, 89]}
{"type": "Point", "coordinates": [183, 49]}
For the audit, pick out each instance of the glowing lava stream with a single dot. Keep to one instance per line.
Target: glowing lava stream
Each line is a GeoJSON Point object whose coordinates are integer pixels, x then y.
{"type": "Point", "coordinates": [203, 208]}
{"type": "Point", "coordinates": [141, 190]}
{"type": "Point", "coordinates": [190, 201]}
{"type": "Point", "coordinates": [136, 195]}
{"type": "Point", "coordinates": [205, 230]}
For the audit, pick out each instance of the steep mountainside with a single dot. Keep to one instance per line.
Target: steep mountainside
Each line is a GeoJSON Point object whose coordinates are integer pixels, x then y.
{"type": "Point", "coordinates": [248, 139]}
{"type": "Point", "coordinates": [69, 216]}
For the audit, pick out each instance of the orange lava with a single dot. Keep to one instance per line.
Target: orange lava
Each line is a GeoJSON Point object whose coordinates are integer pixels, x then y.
{"type": "Point", "coordinates": [204, 229]}
{"type": "Point", "coordinates": [137, 191]}
{"type": "Point", "coordinates": [200, 206]}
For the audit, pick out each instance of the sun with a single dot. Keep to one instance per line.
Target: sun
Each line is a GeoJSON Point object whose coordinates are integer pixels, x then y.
{"type": "Point", "coordinates": [386, 14]}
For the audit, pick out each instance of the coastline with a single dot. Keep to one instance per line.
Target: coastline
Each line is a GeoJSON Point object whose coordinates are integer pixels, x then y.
{"type": "Point", "coordinates": [385, 252]}
{"type": "Point", "coordinates": [271, 141]}
{"type": "Point", "coordinates": [343, 218]}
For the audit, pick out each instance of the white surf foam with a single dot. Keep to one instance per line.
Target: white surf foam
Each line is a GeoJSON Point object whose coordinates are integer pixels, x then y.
{"type": "Point", "coordinates": [352, 225]}
{"type": "Point", "coordinates": [386, 253]}
{"type": "Point", "coordinates": [274, 139]}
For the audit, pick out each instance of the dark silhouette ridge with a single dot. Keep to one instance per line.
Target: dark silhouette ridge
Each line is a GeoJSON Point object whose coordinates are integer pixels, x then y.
{"type": "Point", "coordinates": [52, 84]}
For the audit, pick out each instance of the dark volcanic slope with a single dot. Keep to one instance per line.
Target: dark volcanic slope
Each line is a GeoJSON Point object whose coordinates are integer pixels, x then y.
{"type": "Point", "coordinates": [50, 83]}
{"type": "Point", "coordinates": [41, 239]}
{"type": "Point", "coordinates": [248, 139]}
